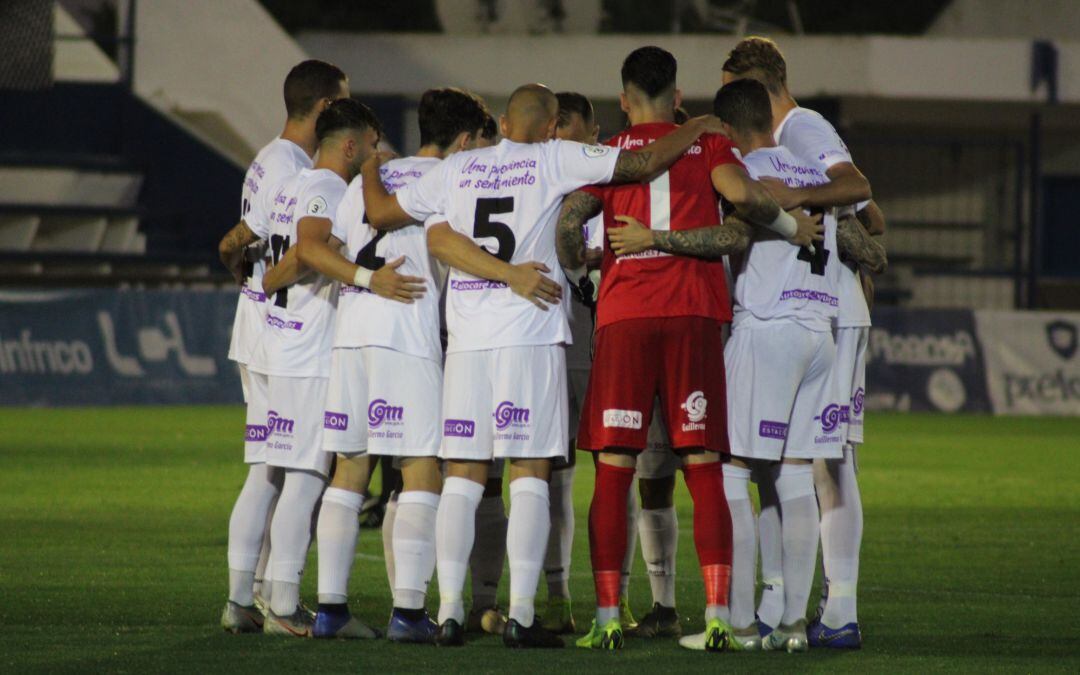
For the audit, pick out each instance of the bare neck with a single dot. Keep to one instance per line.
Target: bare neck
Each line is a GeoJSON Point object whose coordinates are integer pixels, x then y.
{"type": "Point", "coordinates": [647, 114]}
{"type": "Point", "coordinates": [782, 104]}
{"type": "Point", "coordinates": [302, 133]}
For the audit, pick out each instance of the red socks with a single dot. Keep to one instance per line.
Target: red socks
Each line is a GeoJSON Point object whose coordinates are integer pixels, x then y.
{"type": "Point", "coordinates": [607, 530]}
{"type": "Point", "coordinates": [712, 528]}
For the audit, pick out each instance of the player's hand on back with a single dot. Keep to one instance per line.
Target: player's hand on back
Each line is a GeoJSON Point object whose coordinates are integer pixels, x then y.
{"type": "Point", "coordinates": [633, 237]}
{"type": "Point", "coordinates": [387, 283]}
{"type": "Point", "coordinates": [786, 197]}
{"type": "Point", "coordinates": [809, 230]}
{"type": "Point", "coordinates": [527, 280]}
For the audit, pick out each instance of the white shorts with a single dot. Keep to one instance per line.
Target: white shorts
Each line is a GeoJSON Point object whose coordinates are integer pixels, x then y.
{"type": "Point", "coordinates": [782, 398]}
{"type": "Point", "coordinates": [383, 402]}
{"type": "Point", "coordinates": [255, 392]}
{"type": "Point", "coordinates": [657, 459]}
{"type": "Point", "coordinates": [851, 377]}
{"type": "Point", "coordinates": [508, 402]}
{"type": "Point", "coordinates": [294, 423]}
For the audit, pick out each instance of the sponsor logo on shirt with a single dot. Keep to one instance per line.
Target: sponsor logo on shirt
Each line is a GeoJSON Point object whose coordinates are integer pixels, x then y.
{"type": "Point", "coordinates": [857, 401]}
{"type": "Point", "coordinates": [380, 412]}
{"type": "Point", "coordinates": [459, 428]}
{"type": "Point", "coordinates": [335, 420]}
{"type": "Point", "coordinates": [808, 294]}
{"type": "Point", "coordinates": [622, 419]}
{"type": "Point", "coordinates": [253, 295]}
{"type": "Point", "coordinates": [281, 323]}
{"type": "Point", "coordinates": [279, 425]}
{"type": "Point", "coordinates": [695, 407]}
{"type": "Point", "coordinates": [475, 285]}
{"type": "Point", "coordinates": [767, 429]}
{"type": "Point", "coordinates": [256, 433]}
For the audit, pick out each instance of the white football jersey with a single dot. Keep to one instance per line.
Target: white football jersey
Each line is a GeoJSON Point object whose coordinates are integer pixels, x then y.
{"type": "Point", "coordinates": [365, 319]}
{"type": "Point", "coordinates": [506, 198]}
{"type": "Point", "coordinates": [781, 281]}
{"type": "Point", "coordinates": [298, 335]}
{"type": "Point", "coordinates": [811, 138]}
{"type": "Point", "coordinates": [278, 160]}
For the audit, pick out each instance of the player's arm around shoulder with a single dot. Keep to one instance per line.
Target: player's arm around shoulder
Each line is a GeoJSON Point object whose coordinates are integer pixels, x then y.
{"type": "Point", "coordinates": [231, 249]}
{"type": "Point", "coordinates": [383, 209]}
{"type": "Point", "coordinates": [854, 241]}
{"type": "Point", "coordinates": [577, 209]}
{"type": "Point", "coordinates": [462, 253]}
{"type": "Point", "coordinates": [755, 205]}
{"type": "Point", "coordinates": [644, 164]}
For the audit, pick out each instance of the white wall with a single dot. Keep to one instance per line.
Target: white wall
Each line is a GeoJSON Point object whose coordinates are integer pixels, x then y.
{"type": "Point", "coordinates": [227, 57]}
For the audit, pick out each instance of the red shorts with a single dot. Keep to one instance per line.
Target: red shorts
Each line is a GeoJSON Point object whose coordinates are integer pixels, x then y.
{"type": "Point", "coordinates": [680, 360]}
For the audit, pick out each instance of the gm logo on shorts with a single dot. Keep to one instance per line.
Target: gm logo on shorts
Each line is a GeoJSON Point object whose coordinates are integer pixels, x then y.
{"type": "Point", "coordinates": [459, 428]}
{"type": "Point", "coordinates": [622, 419]}
{"type": "Point", "coordinates": [335, 421]}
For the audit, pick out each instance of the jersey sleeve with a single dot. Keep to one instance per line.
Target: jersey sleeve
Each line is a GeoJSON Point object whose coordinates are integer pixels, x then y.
{"type": "Point", "coordinates": [813, 136]}
{"type": "Point", "coordinates": [321, 200]}
{"type": "Point", "coordinates": [719, 151]}
{"type": "Point", "coordinates": [426, 196]}
{"type": "Point", "coordinates": [574, 165]}
{"type": "Point", "coordinates": [435, 219]}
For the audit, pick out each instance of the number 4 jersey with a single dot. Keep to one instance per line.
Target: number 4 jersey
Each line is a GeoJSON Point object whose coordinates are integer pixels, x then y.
{"type": "Point", "coordinates": [365, 319]}
{"type": "Point", "coordinates": [781, 281]}
{"type": "Point", "coordinates": [299, 319]}
{"type": "Point", "coordinates": [506, 198]}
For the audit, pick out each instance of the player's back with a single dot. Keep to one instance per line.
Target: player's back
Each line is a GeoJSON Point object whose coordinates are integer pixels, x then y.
{"type": "Point", "coordinates": [277, 161]}
{"type": "Point", "coordinates": [778, 280]}
{"type": "Point", "coordinates": [298, 335]}
{"type": "Point", "coordinates": [507, 199]}
{"type": "Point", "coordinates": [365, 319]}
{"type": "Point", "coordinates": [654, 283]}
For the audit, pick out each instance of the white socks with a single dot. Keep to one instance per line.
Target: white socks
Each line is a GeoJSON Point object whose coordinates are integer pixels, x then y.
{"type": "Point", "coordinates": [247, 529]}
{"type": "Point", "coordinates": [290, 533]}
{"type": "Point", "coordinates": [414, 547]}
{"type": "Point", "coordinates": [489, 551]}
{"type": "Point", "coordinates": [455, 528]}
{"type": "Point", "coordinates": [388, 538]}
{"type": "Point", "coordinates": [841, 535]}
{"type": "Point", "coordinates": [743, 545]}
{"type": "Point", "coordinates": [633, 512]}
{"type": "Point", "coordinates": [659, 530]}
{"type": "Point", "coordinates": [526, 542]}
{"type": "Point", "coordinates": [338, 528]}
{"type": "Point", "coordinates": [770, 540]}
{"type": "Point", "coordinates": [799, 525]}
{"type": "Point", "coordinates": [561, 537]}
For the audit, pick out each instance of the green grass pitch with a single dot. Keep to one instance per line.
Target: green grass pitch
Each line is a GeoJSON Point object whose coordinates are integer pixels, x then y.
{"type": "Point", "coordinates": [113, 537]}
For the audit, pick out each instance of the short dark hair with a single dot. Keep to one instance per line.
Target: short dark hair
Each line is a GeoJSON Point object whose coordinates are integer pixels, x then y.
{"type": "Point", "coordinates": [445, 113]}
{"type": "Point", "coordinates": [744, 104]}
{"type": "Point", "coordinates": [571, 102]}
{"type": "Point", "coordinates": [346, 113]}
{"type": "Point", "coordinates": [650, 69]}
{"type": "Point", "coordinates": [760, 58]}
{"type": "Point", "coordinates": [490, 130]}
{"type": "Point", "coordinates": [308, 83]}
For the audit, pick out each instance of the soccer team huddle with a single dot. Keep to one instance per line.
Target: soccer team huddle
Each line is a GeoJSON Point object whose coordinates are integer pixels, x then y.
{"type": "Point", "coordinates": [690, 294]}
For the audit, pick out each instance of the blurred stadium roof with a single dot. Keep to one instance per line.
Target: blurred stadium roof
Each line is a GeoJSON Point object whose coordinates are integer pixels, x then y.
{"type": "Point", "coordinates": [911, 17]}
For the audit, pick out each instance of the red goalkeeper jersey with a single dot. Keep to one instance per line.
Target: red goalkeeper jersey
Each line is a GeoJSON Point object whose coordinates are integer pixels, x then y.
{"type": "Point", "coordinates": [654, 284]}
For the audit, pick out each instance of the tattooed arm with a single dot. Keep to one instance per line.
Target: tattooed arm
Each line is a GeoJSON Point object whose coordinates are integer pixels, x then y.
{"type": "Point", "coordinates": [854, 241]}
{"type": "Point", "coordinates": [644, 164]}
{"type": "Point", "coordinates": [703, 242]}
{"type": "Point", "coordinates": [231, 249]}
{"type": "Point", "coordinates": [577, 208]}
{"type": "Point", "coordinates": [872, 218]}
{"type": "Point", "coordinates": [754, 203]}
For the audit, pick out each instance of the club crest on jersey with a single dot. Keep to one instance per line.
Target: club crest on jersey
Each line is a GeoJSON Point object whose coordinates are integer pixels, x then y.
{"type": "Point", "coordinates": [622, 419]}
{"type": "Point", "coordinates": [459, 428]}
{"type": "Point", "coordinates": [335, 421]}
{"type": "Point", "coordinates": [380, 412]}
{"type": "Point", "coordinates": [595, 150]}
{"type": "Point", "coordinates": [316, 206]}
{"type": "Point", "coordinates": [695, 407]}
